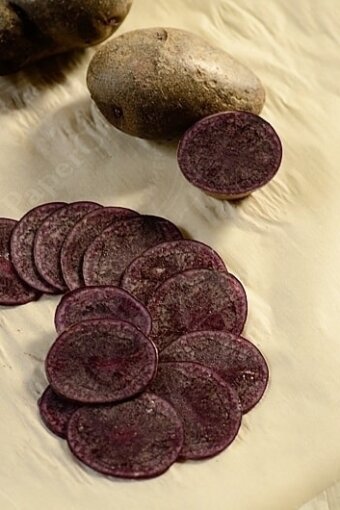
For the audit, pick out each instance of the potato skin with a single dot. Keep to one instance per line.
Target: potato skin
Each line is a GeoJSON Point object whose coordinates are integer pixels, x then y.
{"type": "Point", "coordinates": [13, 45]}
{"type": "Point", "coordinates": [154, 83]}
{"type": "Point", "coordinates": [34, 29]}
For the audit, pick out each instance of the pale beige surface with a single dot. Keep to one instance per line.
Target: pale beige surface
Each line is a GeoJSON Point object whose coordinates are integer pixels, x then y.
{"type": "Point", "coordinates": [283, 243]}
{"type": "Point", "coordinates": [327, 500]}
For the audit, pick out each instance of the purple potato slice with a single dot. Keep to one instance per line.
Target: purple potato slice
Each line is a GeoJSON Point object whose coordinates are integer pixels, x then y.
{"type": "Point", "coordinates": [236, 360]}
{"type": "Point", "coordinates": [197, 300]}
{"type": "Point", "coordinates": [81, 236]}
{"type": "Point", "coordinates": [208, 407]}
{"type": "Point", "coordinates": [6, 228]}
{"type": "Point", "coordinates": [50, 237]}
{"type": "Point", "coordinates": [56, 411]}
{"type": "Point", "coordinates": [140, 438]}
{"type": "Point", "coordinates": [13, 290]}
{"type": "Point", "coordinates": [99, 361]}
{"type": "Point", "coordinates": [230, 154]}
{"type": "Point", "coordinates": [114, 249]}
{"type": "Point", "coordinates": [101, 303]}
{"type": "Point", "coordinates": [154, 266]}
{"type": "Point", "coordinates": [22, 243]}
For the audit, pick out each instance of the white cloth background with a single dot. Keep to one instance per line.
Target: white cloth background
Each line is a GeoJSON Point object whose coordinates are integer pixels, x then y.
{"type": "Point", "coordinates": [283, 243]}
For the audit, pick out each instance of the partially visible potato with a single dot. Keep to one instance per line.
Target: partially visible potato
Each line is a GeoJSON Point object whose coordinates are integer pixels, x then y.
{"type": "Point", "coordinates": [156, 82]}
{"type": "Point", "coordinates": [34, 29]}
{"type": "Point", "coordinates": [15, 48]}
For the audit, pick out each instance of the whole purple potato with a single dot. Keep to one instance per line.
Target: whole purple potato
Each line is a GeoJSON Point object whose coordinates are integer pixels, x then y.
{"type": "Point", "coordinates": [157, 82]}
{"type": "Point", "coordinates": [31, 30]}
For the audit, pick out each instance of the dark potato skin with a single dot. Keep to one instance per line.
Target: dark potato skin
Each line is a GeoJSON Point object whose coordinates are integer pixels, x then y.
{"type": "Point", "coordinates": [156, 82]}
{"type": "Point", "coordinates": [31, 30]}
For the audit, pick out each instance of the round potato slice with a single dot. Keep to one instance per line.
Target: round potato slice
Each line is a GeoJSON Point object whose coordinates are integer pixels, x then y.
{"type": "Point", "coordinates": [100, 361]}
{"type": "Point", "coordinates": [140, 438]}
{"type": "Point", "coordinates": [197, 300]}
{"type": "Point", "coordinates": [80, 238]}
{"type": "Point", "coordinates": [13, 290]}
{"type": "Point", "coordinates": [50, 237]}
{"type": "Point", "coordinates": [230, 154]}
{"type": "Point", "coordinates": [101, 303]}
{"type": "Point", "coordinates": [154, 266]}
{"type": "Point", "coordinates": [22, 243]}
{"type": "Point", "coordinates": [236, 360]}
{"type": "Point", "coordinates": [114, 249]}
{"type": "Point", "coordinates": [56, 411]}
{"type": "Point", "coordinates": [208, 407]}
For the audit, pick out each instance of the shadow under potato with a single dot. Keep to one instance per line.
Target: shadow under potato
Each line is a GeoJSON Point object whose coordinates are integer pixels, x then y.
{"type": "Point", "coordinates": [169, 146]}
{"type": "Point", "coordinates": [39, 76]}
{"type": "Point", "coordinates": [54, 70]}
{"type": "Point", "coordinates": [75, 147]}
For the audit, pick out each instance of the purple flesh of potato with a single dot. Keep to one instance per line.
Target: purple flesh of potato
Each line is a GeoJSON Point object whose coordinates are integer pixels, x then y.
{"type": "Point", "coordinates": [101, 303]}
{"type": "Point", "coordinates": [230, 154]}
{"type": "Point", "coordinates": [208, 407]}
{"type": "Point", "coordinates": [56, 412]}
{"type": "Point", "coordinates": [197, 300]}
{"type": "Point", "coordinates": [13, 290]}
{"type": "Point", "coordinates": [157, 264]}
{"type": "Point", "coordinates": [81, 236]}
{"type": "Point", "coordinates": [22, 243]}
{"type": "Point", "coordinates": [236, 360]}
{"type": "Point", "coordinates": [112, 251]}
{"type": "Point", "coordinates": [101, 361]}
{"type": "Point", "coordinates": [49, 239]}
{"type": "Point", "coordinates": [140, 438]}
